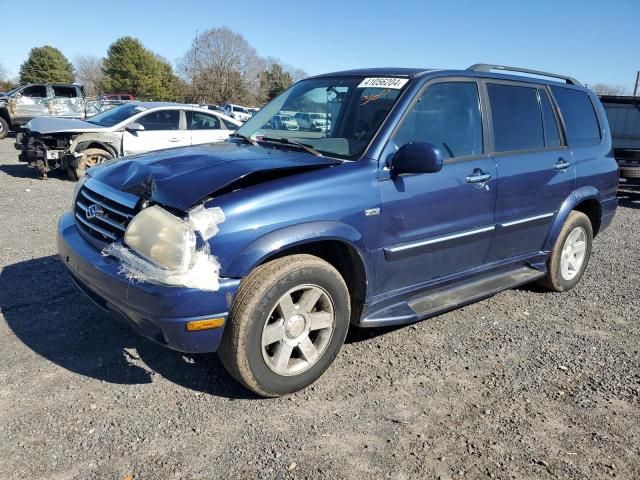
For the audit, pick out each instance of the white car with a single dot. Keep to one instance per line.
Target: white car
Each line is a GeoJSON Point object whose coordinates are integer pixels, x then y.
{"type": "Point", "coordinates": [311, 121]}
{"type": "Point", "coordinates": [237, 112]}
{"type": "Point", "coordinates": [282, 122]}
{"type": "Point", "coordinates": [49, 143]}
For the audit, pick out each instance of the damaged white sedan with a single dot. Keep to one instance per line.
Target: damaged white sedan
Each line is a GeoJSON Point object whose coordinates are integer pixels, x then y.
{"type": "Point", "coordinates": [48, 143]}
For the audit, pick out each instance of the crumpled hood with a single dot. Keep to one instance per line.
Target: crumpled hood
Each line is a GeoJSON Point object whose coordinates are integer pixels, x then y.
{"type": "Point", "coordinates": [62, 125]}
{"type": "Point", "coordinates": [180, 177]}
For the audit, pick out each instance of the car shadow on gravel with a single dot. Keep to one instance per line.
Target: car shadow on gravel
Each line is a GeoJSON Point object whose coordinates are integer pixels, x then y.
{"type": "Point", "coordinates": [46, 312]}
{"type": "Point", "coordinates": [23, 171]}
{"type": "Point", "coordinates": [357, 335]}
{"type": "Point", "coordinates": [629, 198]}
{"type": "Point", "coordinates": [19, 171]}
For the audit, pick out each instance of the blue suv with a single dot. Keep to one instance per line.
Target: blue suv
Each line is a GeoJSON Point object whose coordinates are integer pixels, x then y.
{"type": "Point", "coordinates": [425, 190]}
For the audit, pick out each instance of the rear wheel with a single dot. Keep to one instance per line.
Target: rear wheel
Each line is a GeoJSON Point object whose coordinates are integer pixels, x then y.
{"type": "Point", "coordinates": [4, 128]}
{"type": "Point", "coordinates": [287, 325]}
{"type": "Point", "coordinates": [90, 158]}
{"type": "Point", "coordinates": [570, 254]}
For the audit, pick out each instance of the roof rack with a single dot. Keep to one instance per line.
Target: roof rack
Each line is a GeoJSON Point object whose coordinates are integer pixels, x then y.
{"type": "Point", "coordinates": [486, 67]}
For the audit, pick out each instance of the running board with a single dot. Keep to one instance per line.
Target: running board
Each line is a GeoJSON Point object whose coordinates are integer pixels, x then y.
{"type": "Point", "coordinates": [448, 298]}
{"type": "Point", "coordinates": [433, 303]}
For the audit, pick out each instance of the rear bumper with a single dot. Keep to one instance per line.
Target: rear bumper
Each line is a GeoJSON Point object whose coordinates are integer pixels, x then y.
{"type": "Point", "coordinates": [157, 312]}
{"type": "Point", "coordinates": [609, 207]}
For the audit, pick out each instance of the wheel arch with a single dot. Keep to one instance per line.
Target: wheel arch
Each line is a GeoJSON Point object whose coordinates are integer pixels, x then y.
{"type": "Point", "coordinates": [4, 113]}
{"type": "Point", "coordinates": [587, 200]}
{"type": "Point", "coordinates": [338, 244]}
{"type": "Point", "coordinates": [82, 146]}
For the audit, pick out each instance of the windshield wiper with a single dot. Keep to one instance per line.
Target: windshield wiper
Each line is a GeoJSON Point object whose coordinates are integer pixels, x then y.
{"type": "Point", "coordinates": [244, 137]}
{"type": "Point", "coordinates": [287, 141]}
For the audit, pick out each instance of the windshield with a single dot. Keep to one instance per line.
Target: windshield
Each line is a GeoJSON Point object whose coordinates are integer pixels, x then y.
{"type": "Point", "coordinates": [112, 117]}
{"type": "Point", "coordinates": [13, 90]}
{"type": "Point", "coordinates": [337, 116]}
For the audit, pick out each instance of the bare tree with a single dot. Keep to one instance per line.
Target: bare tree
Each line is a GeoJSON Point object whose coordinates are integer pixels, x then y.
{"type": "Point", "coordinates": [6, 83]}
{"type": "Point", "coordinates": [89, 72]}
{"type": "Point", "coordinates": [604, 89]}
{"type": "Point", "coordinates": [297, 74]}
{"type": "Point", "coordinates": [222, 66]}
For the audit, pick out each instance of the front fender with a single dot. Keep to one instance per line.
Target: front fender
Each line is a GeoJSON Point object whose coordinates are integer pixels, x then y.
{"type": "Point", "coordinates": [278, 240]}
{"type": "Point", "coordinates": [576, 197]}
{"type": "Point", "coordinates": [109, 141]}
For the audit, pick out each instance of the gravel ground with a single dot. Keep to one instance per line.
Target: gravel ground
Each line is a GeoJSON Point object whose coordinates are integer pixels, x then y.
{"type": "Point", "coordinates": [527, 384]}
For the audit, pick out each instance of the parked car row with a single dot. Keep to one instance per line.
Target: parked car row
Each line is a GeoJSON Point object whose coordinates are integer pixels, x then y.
{"type": "Point", "coordinates": [419, 191]}
{"type": "Point", "coordinates": [49, 143]}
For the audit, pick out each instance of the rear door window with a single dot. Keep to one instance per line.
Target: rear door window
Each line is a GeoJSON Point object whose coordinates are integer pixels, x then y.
{"type": "Point", "coordinates": [551, 132]}
{"type": "Point", "coordinates": [579, 117]}
{"type": "Point", "coordinates": [229, 125]}
{"type": "Point", "coordinates": [202, 121]}
{"type": "Point", "coordinates": [516, 117]}
{"type": "Point", "coordinates": [447, 116]}
{"type": "Point", "coordinates": [64, 92]}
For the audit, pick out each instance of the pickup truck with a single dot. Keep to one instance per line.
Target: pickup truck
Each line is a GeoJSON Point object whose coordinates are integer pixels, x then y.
{"type": "Point", "coordinates": [624, 120]}
{"type": "Point", "coordinates": [26, 102]}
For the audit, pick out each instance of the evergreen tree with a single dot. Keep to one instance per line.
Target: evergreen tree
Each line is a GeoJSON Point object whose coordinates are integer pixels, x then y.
{"type": "Point", "coordinates": [46, 64]}
{"type": "Point", "coordinates": [131, 68]}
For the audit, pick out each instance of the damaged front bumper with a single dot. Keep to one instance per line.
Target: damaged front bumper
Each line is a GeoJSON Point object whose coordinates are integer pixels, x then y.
{"type": "Point", "coordinates": [43, 152]}
{"type": "Point", "coordinates": [157, 312]}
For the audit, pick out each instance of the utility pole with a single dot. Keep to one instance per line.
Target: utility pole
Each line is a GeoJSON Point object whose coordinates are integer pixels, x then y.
{"type": "Point", "coordinates": [195, 69]}
{"type": "Point", "coordinates": [635, 89]}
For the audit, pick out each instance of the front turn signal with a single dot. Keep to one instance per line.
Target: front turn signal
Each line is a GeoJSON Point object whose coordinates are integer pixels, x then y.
{"type": "Point", "coordinates": [206, 324]}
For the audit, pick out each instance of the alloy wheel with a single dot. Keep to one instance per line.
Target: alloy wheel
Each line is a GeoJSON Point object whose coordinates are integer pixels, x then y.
{"type": "Point", "coordinates": [298, 330]}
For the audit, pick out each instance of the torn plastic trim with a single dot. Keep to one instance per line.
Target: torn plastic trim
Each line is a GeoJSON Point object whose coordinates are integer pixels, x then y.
{"type": "Point", "coordinates": [201, 273]}
{"type": "Point", "coordinates": [206, 220]}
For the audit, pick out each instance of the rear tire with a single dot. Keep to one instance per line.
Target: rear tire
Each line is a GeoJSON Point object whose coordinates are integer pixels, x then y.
{"type": "Point", "coordinates": [570, 255]}
{"type": "Point", "coordinates": [4, 128]}
{"type": "Point", "coordinates": [90, 158]}
{"type": "Point", "coordinates": [287, 325]}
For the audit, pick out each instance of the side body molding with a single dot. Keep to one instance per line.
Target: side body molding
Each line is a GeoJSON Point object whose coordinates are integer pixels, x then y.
{"type": "Point", "coordinates": [576, 197]}
{"type": "Point", "coordinates": [294, 235]}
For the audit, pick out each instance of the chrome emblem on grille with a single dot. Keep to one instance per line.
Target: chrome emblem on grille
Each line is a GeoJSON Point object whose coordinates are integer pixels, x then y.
{"type": "Point", "coordinates": [94, 211]}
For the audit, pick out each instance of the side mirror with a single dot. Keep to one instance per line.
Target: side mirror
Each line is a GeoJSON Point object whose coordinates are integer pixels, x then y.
{"type": "Point", "coordinates": [417, 157]}
{"type": "Point", "coordinates": [134, 127]}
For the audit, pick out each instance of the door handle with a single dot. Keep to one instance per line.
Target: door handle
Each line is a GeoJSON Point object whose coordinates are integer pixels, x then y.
{"type": "Point", "coordinates": [174, 139]}
{"type": "Point", "coordinates": [561, 164]}
{"type": "Point", "coordinates": [478, 177]}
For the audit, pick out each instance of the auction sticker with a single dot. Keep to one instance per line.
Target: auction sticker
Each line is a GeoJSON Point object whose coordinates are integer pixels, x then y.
{"type": "Point", "coordinates": [382, 82]}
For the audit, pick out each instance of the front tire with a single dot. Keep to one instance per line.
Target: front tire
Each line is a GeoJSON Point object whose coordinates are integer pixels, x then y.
{"type": "Point", "coordinates": [570, 254]}
{"type": "Point", "coordinates": [287, 325]}
{"type": "Point", "coordinates": [90, 158]}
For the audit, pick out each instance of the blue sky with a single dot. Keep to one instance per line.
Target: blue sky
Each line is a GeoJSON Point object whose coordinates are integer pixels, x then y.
{"type": "Point", "coordinates": [594, 41]}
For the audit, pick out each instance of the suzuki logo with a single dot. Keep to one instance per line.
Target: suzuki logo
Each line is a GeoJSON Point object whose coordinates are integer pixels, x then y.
{"type": "Point", "coordinates": [94, 211]}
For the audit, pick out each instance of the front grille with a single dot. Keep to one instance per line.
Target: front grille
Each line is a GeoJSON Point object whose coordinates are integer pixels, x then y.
{"type": "Point", "coordinates": [113, 215]}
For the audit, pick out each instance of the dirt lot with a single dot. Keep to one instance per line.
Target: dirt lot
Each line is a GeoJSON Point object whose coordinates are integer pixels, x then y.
{"type": "Point", "coordinates": [526, 384]}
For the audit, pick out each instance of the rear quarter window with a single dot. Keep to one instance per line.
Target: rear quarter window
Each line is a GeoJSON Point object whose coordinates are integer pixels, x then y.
{"type": "Point", "coordinates": [579, 116]}
{"type": "Point", "coordinates": [64, 92]}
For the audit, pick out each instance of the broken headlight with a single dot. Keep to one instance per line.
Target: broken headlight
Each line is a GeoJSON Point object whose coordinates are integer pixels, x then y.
{"type": "Point", "coordinates": [162, 238]}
